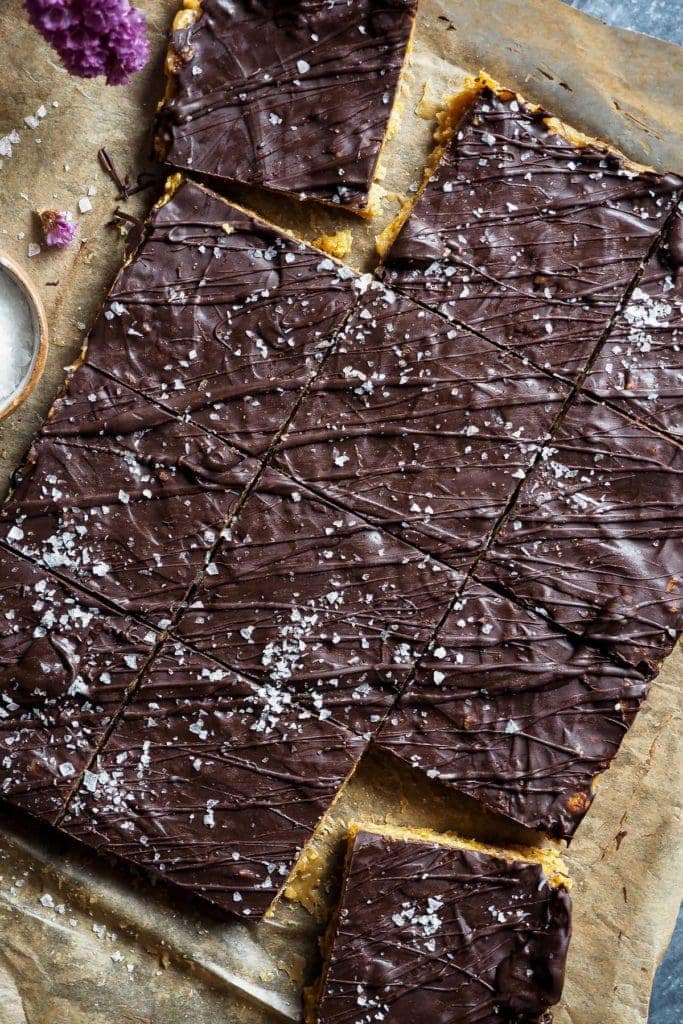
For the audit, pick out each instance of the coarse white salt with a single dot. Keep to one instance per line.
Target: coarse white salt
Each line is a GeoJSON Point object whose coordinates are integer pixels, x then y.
{"type": "Point", "coordinates": [18, 336]}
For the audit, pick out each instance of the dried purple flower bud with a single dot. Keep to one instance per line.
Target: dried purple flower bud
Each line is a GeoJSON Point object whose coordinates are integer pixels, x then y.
{"type": "Point", "coordinates": [58, 230]}
{"type": "Point", "coordinates": [93, 37]}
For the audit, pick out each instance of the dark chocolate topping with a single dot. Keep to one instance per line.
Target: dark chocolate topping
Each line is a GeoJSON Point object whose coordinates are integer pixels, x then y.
{"type": "Point", "coordinates": [122, 497]}
{"type": "Point", "coordinates": [212, 781]}
{"type": "Point", "coordinates": [295, 96]}
{"type": "Point", "coordinates": [595, 538]}
{"type": "Point", "coordinates": [313, 602]}
{"type": "Point", "coordinates": [316, 618]}
{"type": "Point", "coordinates": [430, 933]}
{"type": "Point", "coordinates": [508, 709]}
{"type": "Point", "coordinates": [526, 237]}
{"type": "Point", "coordinates": [674, 243]}
{"type": "Point", "coordinates": [222, 317]}
{"type": "Point", "coordinates": [65, 665]}
{"type": "Point", "coordinates": [640, 366]}
{"type": "Point", "coordinates": [420, 426]}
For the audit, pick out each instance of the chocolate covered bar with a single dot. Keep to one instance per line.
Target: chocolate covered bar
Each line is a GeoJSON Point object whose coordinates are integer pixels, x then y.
{"type": "Point", "coordinates": [317, 604]}
{"type": "Point", "coordinates": [431, 927]}
{"type": "Point", "coordinates": [220, 316]}
{"type": "Point", "coordinates": [66, 665]}
{"type": "Point", "coordinates": [640, 366]}
{"type": "Point", "coordinates": [212, 781]}
{"type": "Point", "coordinates": [420, 426]}
{"type": "Point", "coordinates": [302, 596]}
{"type": "Point", "coordinates": [595, 537]}
{"type": "Point", "coordinates": [294, 96]}
{"type": "Point", "coordinates": [509, 709]}
{"type": "Point", "coordinates": [527, 231]}
{"type": "Point", "coordinates": [122, 497]}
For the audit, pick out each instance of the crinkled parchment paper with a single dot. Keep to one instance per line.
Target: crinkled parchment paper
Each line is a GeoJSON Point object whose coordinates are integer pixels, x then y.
{"type": "Point", "coordinates": [84, 941]}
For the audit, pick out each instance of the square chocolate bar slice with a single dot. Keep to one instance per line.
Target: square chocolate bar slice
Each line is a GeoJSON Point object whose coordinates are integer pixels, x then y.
{"type": "Point", "coordinates": [122, 497]}
{"type": "Point", "coordinates": [595, 537]}
{"type": "Point", "coordinates": [640, 366]}
{"type": "Point", "coordinates": [527, 231]}
{"type": "Point", "coordinates": [310, 600]}
{"type": "Point", "coordinates": [420, 426]}
{"type": "Point", "coordinates": [221, 316]}
{"type": "Point", "coordinates": [212, 781]}
{"type": "Point", "coordinates": [509, 709]}
{"type": "Point", "coordinates": [436, 928]}
{"type": "Point", "coordinates": [295, 97]}
{"type": "Point", "coordinates": [66, 664]}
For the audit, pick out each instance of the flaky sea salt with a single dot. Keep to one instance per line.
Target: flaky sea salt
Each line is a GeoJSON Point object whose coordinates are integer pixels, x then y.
{"type": "Point", "coordinates": [17, 336]}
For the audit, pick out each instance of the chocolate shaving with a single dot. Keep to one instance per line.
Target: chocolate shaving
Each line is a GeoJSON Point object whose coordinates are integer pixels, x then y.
{"type": "Point", "coordinates": [144, 180]}
{"type": "Point", "coordinates": [121, 217]}
{"type": "Point", "coordinates": [109, 167]}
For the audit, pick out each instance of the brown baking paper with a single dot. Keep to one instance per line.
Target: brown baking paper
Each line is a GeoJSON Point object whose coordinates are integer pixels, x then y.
{"type": "Point", "coordinates": [85, 941]}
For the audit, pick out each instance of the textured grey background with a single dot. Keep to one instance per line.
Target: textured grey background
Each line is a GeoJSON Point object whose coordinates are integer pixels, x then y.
{"type": "Point", "coordinates": [667, 996]}
{"type": "Point", "coordinates": [662, 18]}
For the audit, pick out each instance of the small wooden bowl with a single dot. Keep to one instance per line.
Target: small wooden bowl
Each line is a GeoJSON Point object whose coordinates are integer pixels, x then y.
{"type": "Point", "coordinates": [8, 266]}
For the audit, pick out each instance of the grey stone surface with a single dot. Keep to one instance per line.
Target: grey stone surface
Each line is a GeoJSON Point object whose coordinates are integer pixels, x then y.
{"type": "Point", "coordinates": [662, 18]}
{"type": "Point", "coordinates": [667, 996]}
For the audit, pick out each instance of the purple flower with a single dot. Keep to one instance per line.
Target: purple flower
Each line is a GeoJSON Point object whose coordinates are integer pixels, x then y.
{"type": "Point", "coordinates": [93, 37]}
{"type": "Point", "coordinates": [58, 230]}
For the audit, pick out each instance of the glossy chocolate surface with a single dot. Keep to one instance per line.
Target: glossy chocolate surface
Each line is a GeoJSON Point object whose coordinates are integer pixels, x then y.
{"type": "Point", "coordinates": [122, 497]}
{"type": "Point", "coordinates": [595, 538]}
{"type": "Point", "coordinates": [318, 604]}
{"type": "Point", "coordinates": [511, 711]}
{"type": "Point", "coordinates": [420, 426]}
{"type": "Point", "coordinates": [66, 663]}
{"type": "Point", "coordinates": [526, 237]}
{"type": "Point", "coordinates": [212, 781]}
{"type": "Point", "coordinates": [429, 933]}
{"type": "Point", "coordinates": [409, 437]}
{"type": "Point", "coordinates": [293, 96]}
{"type": "Point", "coordinates": [221, 317]}
{"type": "Point", "coordinates": [640, 366]}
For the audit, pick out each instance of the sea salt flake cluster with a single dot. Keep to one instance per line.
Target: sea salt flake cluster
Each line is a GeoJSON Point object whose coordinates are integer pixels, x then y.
{"type": "Point", "coordinates": [643, 312]}
{"type": "Point", "coordinates": [423, 920]}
